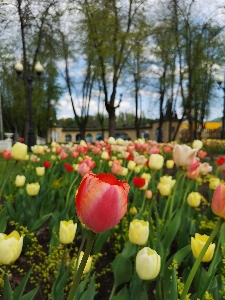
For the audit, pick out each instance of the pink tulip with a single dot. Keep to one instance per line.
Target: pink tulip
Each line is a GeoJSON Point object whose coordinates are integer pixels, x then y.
{"type": "Point", "coordinates": [101, 201]}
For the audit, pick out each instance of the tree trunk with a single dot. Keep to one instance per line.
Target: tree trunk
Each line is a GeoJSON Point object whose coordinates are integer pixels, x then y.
{"type": "Point", "coordinates": [112, 121]}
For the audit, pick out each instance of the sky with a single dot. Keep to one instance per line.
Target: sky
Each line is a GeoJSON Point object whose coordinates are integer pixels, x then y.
{"type": "Point", "coordinates": [149, 98]}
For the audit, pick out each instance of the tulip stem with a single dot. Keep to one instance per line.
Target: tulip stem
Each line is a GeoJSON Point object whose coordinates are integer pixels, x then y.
{"type": "Point", "coordinates": [82, 265]}
{"type": "Point", "coordinates": [6, 179]}
{"type": "Point", "coordinates": [199, 259]}
{"type": "Point", "coordinates": [68, 193]}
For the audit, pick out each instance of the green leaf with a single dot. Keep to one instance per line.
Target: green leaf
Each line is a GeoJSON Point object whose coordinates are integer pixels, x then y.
{"type": "Point", "coordinates": [100, 241]}
{"type": "Point", "coordinates": [7, 290]}
{"type": "Point", "coordinates": [90, 292]}
{"type": "Point", "coordinates": [122, 295]}
{"type": "Point", "coordinates": [37, 224]}
{"type": "Point", "coordinates": [122, 270]}
{"type": "Point", "coordinates": [3, 219]}
{"type": "Point", "coordinates": [173, 287]}
{"type": "Point", "coordinates": [129, 249]}
{"type": "Point", "coordinates": [57, 292]}
{"type": "Point", "coordinates": [18, 292]}
{"type": "Point", "coordinates": [171, 231]}
{"type": "Point", "coordinates": [135, 287]}
{"type": "Point", "coordinates": [81, 287]}
{"type": "Point", "coordinates": [30, 295]}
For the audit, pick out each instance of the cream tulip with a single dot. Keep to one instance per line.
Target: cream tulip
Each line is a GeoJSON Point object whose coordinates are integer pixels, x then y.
{"type": "Point", "coordinates": [183, 155]}
{"type": "Point", "coordinates": [19, 151]}
{"type": "Point", "coordinates": [156, 161]}
{"type": "Point", "coordinates": [148, 263]}
{"type": "Point", "coordinates": [33, 188]}
{"type": "Point", "coordinates": [40, 171]}
{"type": "Point", "coordinates": [20, 180]}
{"type": "Point", "coordinates": [138, 232]}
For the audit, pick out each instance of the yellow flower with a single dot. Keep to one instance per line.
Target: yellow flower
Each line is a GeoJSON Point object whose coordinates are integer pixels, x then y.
{"type": "Point", "coordinates": [194, 199]}
{"type": "Point", "coordinates": [20, 180]}
{"type": "Point", "coordinates": [138, 232]}
{"type": "Point", "coordinates": [148, 263]}
{"type": "Point", "coordinates": [146, 176]}
{"type": "Point", "coordinates": [111, 140]}
{"type": "Point", "coordinates": [169, 164]}
{"type": "Point", "coordinates": [40, 171]}
{"type": "Point", "coordinates": [105, 155]}
{"type": "Point", "coordinates": [33, 188]}
{"type": "Point", "coordinates": [197, 144]}
{"type": "Point", "coordinates": [38, 149]}
{"type": "Point", "coordinates": [155, 161]}
{"type": "Point", "coordinates": [10, 247]}
{"type": "Point", "coordinates": [164, 189]}
{"type": "Point", "coordinates": [213, 183]}
{"type": "Point", "coordinates": [137, 169]}
{"type": "Point", "coordinates": [88, 264]}
{"type": "Point", "coordinates": [131, 164]}
{"type": "Point", "coordinates": [124, 172]}
{"type": "Point", "coordinates": [198, 242]}
{"type": "Point", "coordinates": [19, 151]}
{"type": "Point", "coordinates": [67, 231]}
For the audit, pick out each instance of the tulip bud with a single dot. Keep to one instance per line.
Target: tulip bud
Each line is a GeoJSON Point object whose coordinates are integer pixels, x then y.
{"type": "Point", "coordinates": [10, 247]}
{"type": "Point", "coordinates": [198, 242]}
{"type": "Point", "coordinates": [40, 171]}
{"type": "Point", "coordinates": [88, 264]}
{"type": "Point", "coordinates": [20, 180]}
{"type": "Point", "coordinates": [33, 188]}
{"type": "Point", "coordinates": [138, 232]}
{"type": "Point", "coordinates": [133, 210]}
{"type": "Point", "coordinates": [19, 151]}
{"type": "Point", "coordinates": [148, 194]}
{"type": "Point", "coordinates": [67, 231]}
{"type": "Point", "coordinates": [194, 199]}
{"type": "Point", "coordinates": [148, 263]}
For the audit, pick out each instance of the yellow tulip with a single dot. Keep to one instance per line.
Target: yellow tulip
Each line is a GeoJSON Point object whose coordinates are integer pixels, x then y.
{"type": "Point", "coordinates": [198, 242]}
{"type": "Point", "coordinates": [138, 232]}
{"type": "Point", "coordinates": [19, 151]}
{"type": "Point", "coordinates": [124, 172]}
{"type": "Point", "coordinates": [105, 155]}
{"type": "Point", "coordinates": [148, 263]}
{"type": "Point", "coordinates": [67, 231]}
{"type": "Point", "coordinates": [197, 144]}
{"type": "Point", "coordinates": [194, 199]}
{"type": "Point", "coordinates": [213, 183]}
{"type": "Point", "coordinates": [33, 188]}
{"type": "Point", "coordinates": [156, 161]}
{"type": "Point", "coordinates": [169, 164]}
{"type": "Point", "coordinates": [88, 264]}
{"type": "Point", "coordinates": [131, 164]}
{"type": "Point", "coordinates": [40, 171]}
{"type": "Point", "coordinates": [20, 180]}
{"type": "Point", "coordinates": [164, 189]}
{"type": "Point", "coordinates": [10, 247]}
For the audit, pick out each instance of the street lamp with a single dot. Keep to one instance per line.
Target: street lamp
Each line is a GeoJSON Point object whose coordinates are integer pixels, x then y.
{"type": "Point", "coordinates": [220, 80]}
{"type": "Point", "coordinates": [28, 78]}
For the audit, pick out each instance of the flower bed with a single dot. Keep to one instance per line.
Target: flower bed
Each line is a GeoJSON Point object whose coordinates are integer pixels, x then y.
{"type": "Point", "coordinates": [113, 220]}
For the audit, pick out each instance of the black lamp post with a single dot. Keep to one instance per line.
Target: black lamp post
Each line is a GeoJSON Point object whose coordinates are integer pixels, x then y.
{"type": "Point", "coordinates": [220, 80]}
{"type": "Point", "coordinates": [29, 82]}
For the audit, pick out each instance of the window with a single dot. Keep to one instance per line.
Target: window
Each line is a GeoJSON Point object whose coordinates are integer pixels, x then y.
{"type": "Point", "coordinates": [68, 138]}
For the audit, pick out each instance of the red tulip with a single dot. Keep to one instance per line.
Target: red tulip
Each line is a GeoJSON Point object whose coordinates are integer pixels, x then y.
{"type": "Point", "coordinates": [47, 164]}
{"type": "Point", "coordinates": [68, 167]}
{"type": "Point", "coordinates": [101, 201]}
{"type": "Point", "coordinates": [218, 201]}
{"type": "Point", "coordinates": [6, 154]}
{"type": "Point", "coordinates": [220, 160]}
{"type": "Point", "coordinates": [138, 181]}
